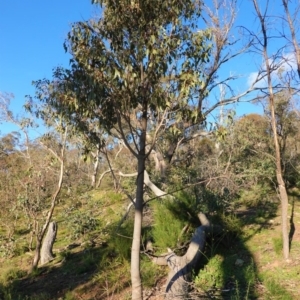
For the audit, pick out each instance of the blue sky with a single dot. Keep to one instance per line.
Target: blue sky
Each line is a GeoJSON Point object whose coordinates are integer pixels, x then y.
{"type": "Point", "coordinates": [31, 44]}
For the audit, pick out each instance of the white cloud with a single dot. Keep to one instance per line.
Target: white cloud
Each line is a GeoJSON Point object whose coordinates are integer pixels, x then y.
{"type": "Point", "coordinates": [285, 64]}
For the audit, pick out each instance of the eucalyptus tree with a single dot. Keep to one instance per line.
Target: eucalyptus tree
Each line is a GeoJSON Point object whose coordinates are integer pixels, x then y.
{"type": "Point", "coordinates": [30, 181]}
{"type": "Point", "coordinates": [269, 66]}
{"type": "Point", "coordinates": [287, 123]}
{"type": "Point", "coordinates": [291, 19]}
{"type": "Point", "coordinates": [139, 62]}
{"type": "Point", "coordinates": [141, 73]}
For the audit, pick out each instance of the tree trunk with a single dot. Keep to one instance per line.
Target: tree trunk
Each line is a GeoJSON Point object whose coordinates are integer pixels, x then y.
{"type": "Point", "coordinates": [293, 33]}
{"type": "Point", "coordinates": [181, 267]}
{"type": "Point", "coordinates": [95, 166]}
{"type": "Point", "coordinates": [41, 233]}
{"type": "Point", "coordinates": [136, 282]}
{"type": "Point", "coordinates": [46, 250]}
{"type": "Point", "coordinates": [37, 255]}
{"type": "Point", "coordinates": [136, 242]}
{"type": "Point", "coordinates": [281, 185]}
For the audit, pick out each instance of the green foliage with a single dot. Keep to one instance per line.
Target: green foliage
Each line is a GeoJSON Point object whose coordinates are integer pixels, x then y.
{"type": "Point", "coordinates": [35, 272]}
{"type": "Point", "coordinates": [255, 196]}
{"type": "Point", "coordinates": [114, 277]}
{"type": "Point", "coordinates": [5, 293]}
{"type": "Point", "coordinates": [210, 201]}
{"type": "Point", "coordinates": [232, 228]}
{"type": "Point", "coordinates": [167, 227]}
{"type": "Point", "coordinates": [7, 248]}
{"type": "Point", "coordinates": [88, 263]}
{"type": "Point", "coordinates": [222, 273]}
{"type": "Point", "coordinates": [211, 275]}
{"type": "Point", "coordinates": [172, 216]}
{"type": "Point", "coordinates": [111, 197]}
{"type": "Point", "coordinates": [153, 62]}
{"type": "Point", "coordinates": [120, 241]}
{"type": "Point", "coordinates": [69, 296]}
{"type": "Point", "coordinates": [150, 272]}
{"type": "Point", "coordinates": [65, 254]}
{"type": "Point", "coordinates": [41, 296]}
{"type": "Point", "coordinates": [81, 223]}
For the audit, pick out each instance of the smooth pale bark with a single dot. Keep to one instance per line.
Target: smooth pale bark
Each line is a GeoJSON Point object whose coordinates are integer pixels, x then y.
{"type": "Point", "coordinates": [101, 177]}
{"type": "Point", "coordinates": [281, 184]}
{"type": "Point", "coordinates": [136, 282]}
{"type": "Point", "coordinates": [182, 267]}
{"type": "Point", "coordinates": [293, 33]}
{"type": "Point", "coordinates": [40, 235]}
{"type": "Point", "coordinates": [160, 164]}
{"type": "Point", "coordinates": [158, 192]}
{"type": "Point", "coordinates": [95, 166]}
{"type": "Point", "coordinates": [46, 251]}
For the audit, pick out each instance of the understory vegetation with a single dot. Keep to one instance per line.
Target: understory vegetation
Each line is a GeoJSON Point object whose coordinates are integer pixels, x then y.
{"type": "Point", "coordinates": [92, 258]}
{"type": "Point", "coordinates": [146, 183]}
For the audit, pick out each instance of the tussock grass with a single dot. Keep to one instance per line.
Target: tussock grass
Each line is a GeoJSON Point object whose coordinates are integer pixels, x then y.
{"type": "Point", "coordinates": [244, 262]}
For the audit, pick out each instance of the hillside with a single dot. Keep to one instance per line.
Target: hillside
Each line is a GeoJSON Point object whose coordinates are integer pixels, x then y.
{"type": "Point", "coordinates": [92, 257]}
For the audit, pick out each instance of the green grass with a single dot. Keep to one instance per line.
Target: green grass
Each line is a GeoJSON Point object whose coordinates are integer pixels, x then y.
{"type": "Point", "coordinates": [11, 274]}
{"type": "Point", "coordinates": [107, 266]}
{"type": "Point", "coordinates": [274, 289]}
{"type": "Point", "coordinates": [277, 245]}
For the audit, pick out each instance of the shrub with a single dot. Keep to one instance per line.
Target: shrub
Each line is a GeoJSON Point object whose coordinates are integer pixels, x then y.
{"type": "Point", "coordinates": [167, 227]}
{"type": "Point", "coordinates": [121, 241]}
{"type": "Point", "coordinates": [81, 223]}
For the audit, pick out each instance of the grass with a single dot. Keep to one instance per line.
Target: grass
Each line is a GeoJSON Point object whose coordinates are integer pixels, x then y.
{"type": "Point", "coordinates": [274, 289]}
{"type": "Point", "coordinates": [245, 264]}
{"type": "Point", "coordinates": [277, 245]}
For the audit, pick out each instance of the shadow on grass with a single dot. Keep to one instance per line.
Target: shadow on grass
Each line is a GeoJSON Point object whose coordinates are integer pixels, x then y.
{"type": "Point", "coordinates": [227, 271]}
{"type": "Point", "coordinates": [230, 265]}
{"type": "Point", "coordinates": [55, 280]}
{"type": "Point", "coordinates": [228, 268]}
{"type": "Point", "coordinates": [83, 272]}
{"type": "Point", "coordinates": [294, 195]}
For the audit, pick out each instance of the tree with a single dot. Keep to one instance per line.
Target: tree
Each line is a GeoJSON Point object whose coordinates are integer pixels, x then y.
{"type": "Point", "coordinates": [138, 62]}
{"type": "Point", "coordinates": [32, 188]}
{"type": "Point", "coordinates": [287, 121]}
{"type": "Point", "coordinates": [252, 155]}
{"type": "Point", "coordinates": [59, 155]}
{"type": "Point", "coordinates": [290, 20]}
{"type": "Point", "coordinates": [46, 250]}
{"type": "Point", "coordinates": [271, 97]}
{"type": "Point", "coordinates": [141, 74]}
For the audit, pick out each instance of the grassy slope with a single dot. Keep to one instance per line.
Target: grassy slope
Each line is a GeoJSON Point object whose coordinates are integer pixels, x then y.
{"type": "Point", "coordinates": [96, 264]}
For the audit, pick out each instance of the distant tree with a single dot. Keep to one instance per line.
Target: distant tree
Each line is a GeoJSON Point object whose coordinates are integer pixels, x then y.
{"type": "Point", "coordinates": [291, 19]}
{"type": "Point", "coordinates": [58, 154]}
{"type": "Point", "coordinates": [287, 120]}
{"type": "Point", "coordinates": [268, 67]}
{"type": "Point", "coordinates": [252, 154]}
{"type": "Point", "coordinates": [31, 181]}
